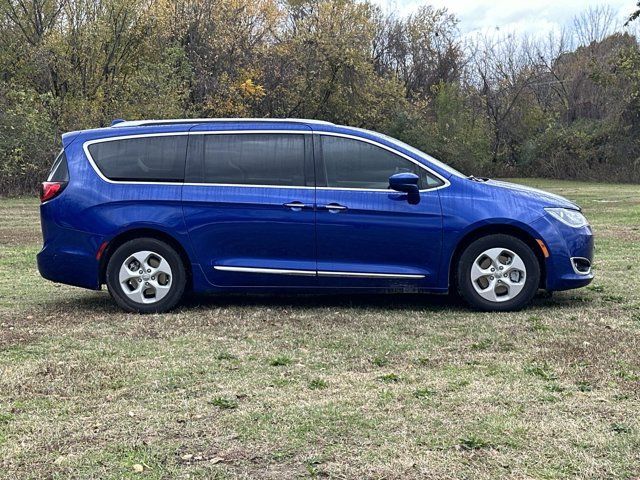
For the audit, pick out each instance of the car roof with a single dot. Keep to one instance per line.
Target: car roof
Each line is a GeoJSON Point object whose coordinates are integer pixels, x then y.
{"type": "Point", "coordinates": [120, 127]}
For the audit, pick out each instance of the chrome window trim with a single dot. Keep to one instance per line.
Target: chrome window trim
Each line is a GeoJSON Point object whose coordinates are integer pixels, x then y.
{"type": "Point", "coordinates": [93, 164]}
{"type": "Point", "coordinates": [88, 143]}
{"type": "Point", "coordinates": [320, 273]}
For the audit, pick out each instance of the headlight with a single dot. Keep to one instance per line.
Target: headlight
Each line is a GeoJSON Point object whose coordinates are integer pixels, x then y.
{"type": "Point", "coordinates": [573, 218]}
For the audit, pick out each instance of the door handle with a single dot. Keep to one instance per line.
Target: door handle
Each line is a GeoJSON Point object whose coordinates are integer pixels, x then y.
{"type": "Point", "coordinates": [333, 207]}
{"type": "Point", "coordinates": [295, 206]}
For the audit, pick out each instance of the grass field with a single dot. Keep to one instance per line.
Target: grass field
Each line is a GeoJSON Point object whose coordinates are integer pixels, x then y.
{"type": "Point", "coordinates": [332, 386]}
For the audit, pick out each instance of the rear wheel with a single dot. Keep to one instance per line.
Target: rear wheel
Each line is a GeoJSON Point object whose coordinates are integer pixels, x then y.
{"type": "Point", "coordinates": [146, 275]}
{"type": "Point", "coordinates": [499, 273]}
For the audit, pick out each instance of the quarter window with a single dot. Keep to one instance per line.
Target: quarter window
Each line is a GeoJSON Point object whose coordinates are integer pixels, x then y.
{"type": "Point", "coordinates": [60, 170]}
{"type": "Point", "coordinates": [248, 159]}
{"type": "Point", "coordinates": [159, 159]}
{"type": "Point", "coordinates": [352, 163]}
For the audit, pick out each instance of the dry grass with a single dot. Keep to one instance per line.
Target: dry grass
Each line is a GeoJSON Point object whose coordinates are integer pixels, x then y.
{"type": "Point", "coordinates": [338, 386]}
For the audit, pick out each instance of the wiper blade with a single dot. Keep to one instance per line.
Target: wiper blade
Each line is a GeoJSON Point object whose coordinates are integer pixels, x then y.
{"type": "Point", "coordinates": [478, 179]}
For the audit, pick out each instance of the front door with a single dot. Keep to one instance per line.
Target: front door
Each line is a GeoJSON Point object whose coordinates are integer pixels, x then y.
{"type": "Point", "coordinates": [368, 235]}
{"type": "Point", "coordinates": [248, 203]}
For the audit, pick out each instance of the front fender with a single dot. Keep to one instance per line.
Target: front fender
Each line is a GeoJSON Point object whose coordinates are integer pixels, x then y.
{"type": "Point", "coordinates": [454, 240]}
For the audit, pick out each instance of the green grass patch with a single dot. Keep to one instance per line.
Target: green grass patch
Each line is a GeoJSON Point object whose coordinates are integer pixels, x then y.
{"type": "Point", "coordinates": [335, 386]}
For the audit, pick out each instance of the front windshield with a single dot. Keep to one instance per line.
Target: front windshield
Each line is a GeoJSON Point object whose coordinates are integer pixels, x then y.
{"type": "Point", "coordinates": [419, 153]}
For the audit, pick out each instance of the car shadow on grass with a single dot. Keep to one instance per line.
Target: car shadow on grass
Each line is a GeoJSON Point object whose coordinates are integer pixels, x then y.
{"type": "Point", "coordinates": [100, 302]}
{"type": "Point", "coordinates": [358, 301]}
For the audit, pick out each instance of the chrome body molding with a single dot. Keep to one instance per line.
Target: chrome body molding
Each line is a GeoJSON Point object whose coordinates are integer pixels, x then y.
{"type": "Point", "coordinates": [320, 273]}
{"type": "Point", "coordinates": [326, 273]}
{"type": "Point", "coordinates": [273, 271]}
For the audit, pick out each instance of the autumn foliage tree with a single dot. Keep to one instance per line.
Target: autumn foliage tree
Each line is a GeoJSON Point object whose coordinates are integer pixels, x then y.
{"type": "Point", "coordinates": [566, 106]}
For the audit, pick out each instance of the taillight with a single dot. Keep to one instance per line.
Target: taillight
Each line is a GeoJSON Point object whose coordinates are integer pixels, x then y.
{"type": "Point", "coordinates": [49, 190]}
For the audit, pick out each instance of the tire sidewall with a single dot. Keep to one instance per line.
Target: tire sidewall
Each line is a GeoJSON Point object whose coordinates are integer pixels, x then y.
{"type": "Point", "coordinates": [469, 255]}
{"type": "Point", "coordinates": [170, 255]}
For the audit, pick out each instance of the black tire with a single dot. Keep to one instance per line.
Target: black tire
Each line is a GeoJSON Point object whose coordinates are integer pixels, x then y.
{"type": "Point", "coordinates": [178, 275]}
{"type": "Point", "coordinates": [473, 251]}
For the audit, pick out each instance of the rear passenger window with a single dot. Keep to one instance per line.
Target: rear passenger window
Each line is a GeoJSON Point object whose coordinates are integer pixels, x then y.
{"type": "Point", "coordinates": [157, 159]}
{"type": "Point", "coordinates": [247, 159]}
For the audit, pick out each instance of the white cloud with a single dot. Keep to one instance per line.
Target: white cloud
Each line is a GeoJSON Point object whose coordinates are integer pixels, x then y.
{"type": "Point", "coordinates": [524, 16]}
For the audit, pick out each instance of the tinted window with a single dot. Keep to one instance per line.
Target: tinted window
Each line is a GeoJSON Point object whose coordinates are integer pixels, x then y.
{"type": "Point", "coordinates": [145, 158]}
{"type": "Point", "coordinates": [355, 164]}
{"type": "Point", "coordinates": [59, 171]}
{"type": "Point", "coordinates": [248, 159]}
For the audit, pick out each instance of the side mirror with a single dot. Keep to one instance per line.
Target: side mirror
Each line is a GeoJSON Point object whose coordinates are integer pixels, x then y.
{"type": "Point", "coordinates": [406, 183]}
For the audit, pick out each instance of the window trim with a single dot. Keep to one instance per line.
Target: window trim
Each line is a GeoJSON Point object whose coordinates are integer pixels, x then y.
{"type": "Point", "coordinates": [87, 144]}
{"type": "Point", "coordinates": [85, 147]}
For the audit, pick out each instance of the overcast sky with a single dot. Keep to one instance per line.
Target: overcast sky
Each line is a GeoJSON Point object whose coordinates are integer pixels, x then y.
{"type": "Point", "coordinates": [527, 16]}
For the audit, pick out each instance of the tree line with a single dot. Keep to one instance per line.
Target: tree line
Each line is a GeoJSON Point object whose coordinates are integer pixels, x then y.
{"type": "Point", "coordinates": [562, 106]}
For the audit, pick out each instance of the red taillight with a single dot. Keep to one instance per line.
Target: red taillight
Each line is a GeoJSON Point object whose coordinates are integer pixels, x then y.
{"type": "Point", "coordinates": [49, 190]}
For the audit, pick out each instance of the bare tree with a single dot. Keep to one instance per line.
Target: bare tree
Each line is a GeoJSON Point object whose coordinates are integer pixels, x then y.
{"type": "Point", "coordinates": [594, 24]}
{"type": "Point", "coordinates": [422, 49]}
{"type": "Point", "coordinates": [504, 73]}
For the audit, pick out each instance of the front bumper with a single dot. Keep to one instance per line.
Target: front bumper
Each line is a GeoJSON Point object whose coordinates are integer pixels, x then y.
{"type": "Point", "coordinates": [565, 243]}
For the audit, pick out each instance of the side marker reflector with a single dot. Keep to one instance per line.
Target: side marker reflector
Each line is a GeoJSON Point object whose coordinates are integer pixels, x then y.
{"type": "Point", "coordinates": [101, 250]}
{"type": "Point", "coordinates": [543, 247]}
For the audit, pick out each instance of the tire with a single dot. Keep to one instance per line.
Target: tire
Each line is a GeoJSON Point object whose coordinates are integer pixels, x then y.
{"type": "Point", "coordinates": [153, 274]}
{"type": "Point", "coordinates": [511, 284]}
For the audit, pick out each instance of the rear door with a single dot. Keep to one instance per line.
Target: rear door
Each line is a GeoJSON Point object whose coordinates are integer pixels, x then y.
{"type": "Point", "coordinates": [368, 235]}
{"type": "Point", "coordinates": [248, 203]}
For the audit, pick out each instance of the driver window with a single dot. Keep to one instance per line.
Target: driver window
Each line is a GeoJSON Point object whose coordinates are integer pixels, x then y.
{"type": "Point", "coordinates": [352, 163]}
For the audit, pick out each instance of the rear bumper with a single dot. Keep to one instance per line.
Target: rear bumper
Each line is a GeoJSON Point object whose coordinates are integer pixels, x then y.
{"type": "Point", "coordinates": [69, 257]}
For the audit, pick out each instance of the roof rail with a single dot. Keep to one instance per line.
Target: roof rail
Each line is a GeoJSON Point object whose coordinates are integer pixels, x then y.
{"type": "Point", "coordinates": [177, 121]}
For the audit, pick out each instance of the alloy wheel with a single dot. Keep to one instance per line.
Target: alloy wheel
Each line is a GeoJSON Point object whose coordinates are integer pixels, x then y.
{"type": "Point", "coordinates": [498, 274]}
{"type": "Point", "coordinates": [145, 277]}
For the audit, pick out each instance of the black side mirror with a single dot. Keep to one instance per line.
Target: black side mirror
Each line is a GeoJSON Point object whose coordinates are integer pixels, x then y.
{"type": "Point", "coordinates": [406, 183]}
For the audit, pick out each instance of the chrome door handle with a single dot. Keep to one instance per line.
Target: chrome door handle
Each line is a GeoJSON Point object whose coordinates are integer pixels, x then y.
{"type": "Point", "coordinates": [333, 207]}
{"type": "Point", "coordinates": [297, 206]}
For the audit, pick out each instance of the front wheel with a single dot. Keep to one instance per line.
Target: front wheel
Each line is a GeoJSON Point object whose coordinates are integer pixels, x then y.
{"type": "Point", "coordinates": [498, 273]}
{"type": "Point", "coordinates": [146, 275]}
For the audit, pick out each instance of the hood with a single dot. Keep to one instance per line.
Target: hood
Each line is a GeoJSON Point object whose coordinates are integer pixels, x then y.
{"type": "Point", "coordinates": [546, 198]}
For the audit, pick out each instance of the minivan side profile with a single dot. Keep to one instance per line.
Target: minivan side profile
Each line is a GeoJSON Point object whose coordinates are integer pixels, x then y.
{"type": "Point", "coordinates": [154, 208]}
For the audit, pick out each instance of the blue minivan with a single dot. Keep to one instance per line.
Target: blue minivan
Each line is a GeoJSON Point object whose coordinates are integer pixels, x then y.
{"type": "Point", "coordinates": [158, 207]}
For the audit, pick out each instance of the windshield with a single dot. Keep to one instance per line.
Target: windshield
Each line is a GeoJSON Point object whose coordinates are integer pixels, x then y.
{"type": "Point", "coordinates": [419, 153]}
